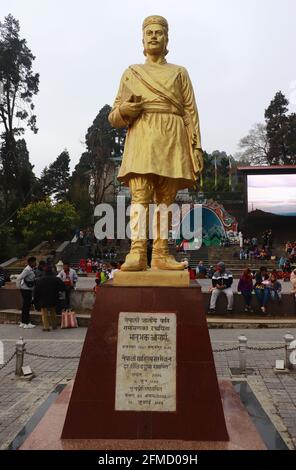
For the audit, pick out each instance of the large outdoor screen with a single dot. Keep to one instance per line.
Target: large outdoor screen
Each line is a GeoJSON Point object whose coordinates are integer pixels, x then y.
{"type": "Point", "coordinates": [272, 194]}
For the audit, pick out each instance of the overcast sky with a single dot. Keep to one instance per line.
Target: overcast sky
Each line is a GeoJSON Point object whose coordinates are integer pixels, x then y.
{"type": "Point", "coordinates": [238, 53]}
{"type": "Point", "coordinates": [272, 193]}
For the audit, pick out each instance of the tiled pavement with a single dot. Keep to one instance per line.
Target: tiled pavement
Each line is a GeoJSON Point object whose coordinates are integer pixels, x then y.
{"type": "Point", "coordinates": [19, 399]}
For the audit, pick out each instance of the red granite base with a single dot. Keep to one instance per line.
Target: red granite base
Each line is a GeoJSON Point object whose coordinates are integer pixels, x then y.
{"type": "Point", "coordinates": [92, 411]}
{"type": "Point", "coordinates": [242, 432]}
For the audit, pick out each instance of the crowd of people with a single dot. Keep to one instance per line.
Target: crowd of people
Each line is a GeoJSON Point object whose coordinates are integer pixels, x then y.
{"type": "Point", "coordinates": [264, 284]}
{"type": "Point", "coordinates": [251, 249]}
{"type": "Point", "coordinates": [92, 265]}
{"type": "Point", "coordinates": [47, 289]}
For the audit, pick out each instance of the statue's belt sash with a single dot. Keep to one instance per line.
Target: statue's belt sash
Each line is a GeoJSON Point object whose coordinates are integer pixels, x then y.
{"type": "Point", "coordinates": [160, 107]}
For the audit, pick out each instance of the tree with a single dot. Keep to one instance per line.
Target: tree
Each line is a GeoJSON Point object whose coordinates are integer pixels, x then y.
{"type": "Point", "coordinates": [276, 127]}
{"type": "Point", "coordinates": [79, 189]}
{"type": "Point", "coordinates": [44, 220]}
{"type": "Point", "coordinates": [291, 139]}
{"type": "Point", "coordinates": [281, 132]}
{"type": "Point", "coordinates": [95, 174]}
{"type": "Point", "coordinates": [55, 179]}
{"type": "Point", "coordinates": [255, 146]}
{"type": "Point", "coordinates": [18, 86]}
{"type": "Point", "coordinates": [104, 146]}
{"type": "Point", "coordinates": [19, 82]}
{"type": "Point", "coordinates": [223, 171]}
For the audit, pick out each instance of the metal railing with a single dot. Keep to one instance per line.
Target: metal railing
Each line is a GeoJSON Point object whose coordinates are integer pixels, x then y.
{"type": "Point", "coordinates": [288, 346]}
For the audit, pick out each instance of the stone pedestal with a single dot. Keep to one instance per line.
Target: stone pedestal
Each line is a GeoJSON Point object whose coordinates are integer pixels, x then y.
{"type": "Point", "coordinates": [151, 277]}
{"type": "Point", "coordinates": [186, 387]}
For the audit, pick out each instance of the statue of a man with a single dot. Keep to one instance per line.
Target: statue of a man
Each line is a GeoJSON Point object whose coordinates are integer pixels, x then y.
{"type": "Point", "coordinates": [162, 152]}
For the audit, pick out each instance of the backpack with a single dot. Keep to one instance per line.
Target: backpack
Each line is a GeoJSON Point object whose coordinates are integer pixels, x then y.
{"type": "Point", "coordinates": [29, 280]}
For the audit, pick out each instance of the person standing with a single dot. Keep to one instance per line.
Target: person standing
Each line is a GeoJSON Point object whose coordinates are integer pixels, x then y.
{"type": "Point", "coordinates": [69, 278]}
{"type": "Point", "coordinates": [89, 266]}
{"type": "Point", "coordinates": [47, 291]}
{"type": "Point", "coordinates": [26, 283]}
{"type": "Point", "coordinates": [241, 239]}
{"type": "Point", "coordinates": [81, 238]}
{"type": "Point", "coordinates": [245, 286]}
{"type": "Point", "coordinates": [254, 242]}
{"type": "Point", "coordinates": [221, 281]}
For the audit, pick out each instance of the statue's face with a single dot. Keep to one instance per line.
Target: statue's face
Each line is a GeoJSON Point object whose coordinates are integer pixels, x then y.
{"type": "Point", "coordinates": [154, 39]}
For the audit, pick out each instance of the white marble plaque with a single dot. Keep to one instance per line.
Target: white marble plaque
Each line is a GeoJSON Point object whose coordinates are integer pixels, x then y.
{"type": "Point", "coordinates": [146, 362]}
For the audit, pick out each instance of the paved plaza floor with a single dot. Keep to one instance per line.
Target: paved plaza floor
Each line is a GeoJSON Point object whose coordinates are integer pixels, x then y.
{"type": "Point", "coordinates": [19, 399]}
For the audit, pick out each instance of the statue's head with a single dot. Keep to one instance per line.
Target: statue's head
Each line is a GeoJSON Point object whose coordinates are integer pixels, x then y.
{"type": "Point", "coordinates": [155, 35]}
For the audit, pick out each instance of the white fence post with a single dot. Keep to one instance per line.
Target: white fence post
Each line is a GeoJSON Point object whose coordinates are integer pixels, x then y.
{"type": "Point", "coordinates": [20, 351]}
{"type": "Point", "coordinates": [242, 351]}
{"type": "Point", "coordinates": [288, 340]}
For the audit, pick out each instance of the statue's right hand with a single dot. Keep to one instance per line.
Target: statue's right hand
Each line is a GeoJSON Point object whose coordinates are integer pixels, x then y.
{"type": "Point", "coordinates": [130, 109]}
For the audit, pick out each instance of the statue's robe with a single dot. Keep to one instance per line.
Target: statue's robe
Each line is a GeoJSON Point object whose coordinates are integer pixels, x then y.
{"type": "Point", "coordinates": [165, 138]}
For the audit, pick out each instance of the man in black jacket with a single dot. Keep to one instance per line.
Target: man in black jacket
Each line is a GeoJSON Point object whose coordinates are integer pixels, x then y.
{"type": "Point", "coordinates": [221, 281]}
{"type": "Point", "coordinates": [46, 297]}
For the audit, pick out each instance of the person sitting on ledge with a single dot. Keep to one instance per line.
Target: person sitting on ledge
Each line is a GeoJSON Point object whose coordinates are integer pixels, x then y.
{"type": "Point", "coordinates": [221, 281]}
{"type": "Point", "coordinates": [275, 288]}
{"type": "Point", "coordinates": [261, 288]}
{"type": "Point", "coordinates": [245, 286]}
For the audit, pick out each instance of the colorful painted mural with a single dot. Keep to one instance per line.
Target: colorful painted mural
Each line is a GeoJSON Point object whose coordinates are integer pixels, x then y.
{"type": "Point", "coordinates": [217, 224]}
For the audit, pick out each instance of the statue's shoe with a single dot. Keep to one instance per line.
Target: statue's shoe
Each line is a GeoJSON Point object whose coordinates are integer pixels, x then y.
{"type": "Point", "coordinates": [134, 262]}
{"type": "Point", "coordinates": [167, 263]}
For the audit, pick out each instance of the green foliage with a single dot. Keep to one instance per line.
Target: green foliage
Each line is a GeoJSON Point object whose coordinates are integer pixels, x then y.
{"type": "Point", "coordinates": [94, 174]}
{"type": "Point", "coordinates": [19, 85]}
{"type": "Point", "coordinates": [104, 146]}
{"type": "Point", "coordinates": [19, 82]}
{"type": "Point", "coordinates": [44, 220]}
{"type": "Point", "coordinates": [281, 132]}
{"type": "Point", "coordinates": [222, 162]}
{"type": "Point", "coordinates": [55, 179]}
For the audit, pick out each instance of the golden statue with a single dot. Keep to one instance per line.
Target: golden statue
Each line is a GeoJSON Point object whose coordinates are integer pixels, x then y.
{"type": "Point", "coordinates": [162, 152]}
